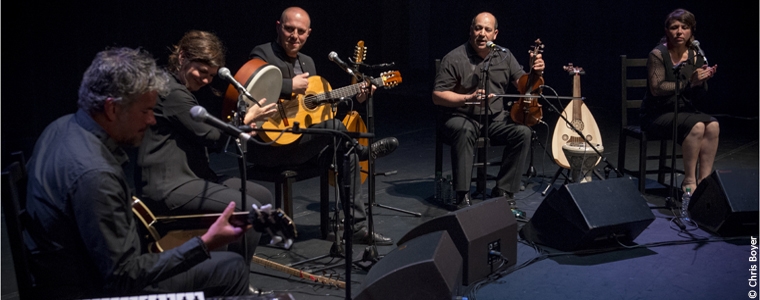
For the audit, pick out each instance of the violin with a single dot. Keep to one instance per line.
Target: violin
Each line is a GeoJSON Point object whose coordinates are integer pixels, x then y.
{"type": "Point", "coordinates": [527, 111]}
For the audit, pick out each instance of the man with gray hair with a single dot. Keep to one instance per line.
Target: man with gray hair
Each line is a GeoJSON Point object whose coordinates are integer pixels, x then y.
{"type": "Point", "coordinates": [82, 235]}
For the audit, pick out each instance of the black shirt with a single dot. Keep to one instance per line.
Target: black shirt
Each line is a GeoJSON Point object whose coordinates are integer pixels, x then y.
{"type": "Point", "coordinates": [461, 72]}
{"type": "Point", "coordinates": [82, 235]}
{"type": "Point", "coordinates": [174, 150]}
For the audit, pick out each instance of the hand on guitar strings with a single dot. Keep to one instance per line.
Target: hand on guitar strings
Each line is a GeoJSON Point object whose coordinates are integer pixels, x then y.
{"type": "Point", "coordinates": [257, 113]}
{"type": "Point", "coordinates": [300, 83]}
{"type": "Point", "coordinates": [222, 232]}
{"type": "Point", "coordinates": [364, 92]}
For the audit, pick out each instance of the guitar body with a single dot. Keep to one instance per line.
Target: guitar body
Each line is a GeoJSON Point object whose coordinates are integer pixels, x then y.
{"type": "Point", "coordinates": [297, 110]}
{"type": "Point", "coordinates": [307, 110]}
{"type": "Point", "coordinates": [578, 113]}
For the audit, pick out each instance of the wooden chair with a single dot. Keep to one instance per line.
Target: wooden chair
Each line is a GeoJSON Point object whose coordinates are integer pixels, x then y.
{"type": "Point", "coordinates": [482, 145]}
{"type": "Point", "coordinates": [633, 129]}
{"type": "Point", "coordinates": [16, 217]}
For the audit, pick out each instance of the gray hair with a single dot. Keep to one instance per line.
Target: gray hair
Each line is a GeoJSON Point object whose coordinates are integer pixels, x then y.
{"type": "Point", "coordinates": [121, 74]}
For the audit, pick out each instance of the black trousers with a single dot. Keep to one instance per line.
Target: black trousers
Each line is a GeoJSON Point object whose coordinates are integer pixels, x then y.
{"type": "Point", "coordinates": [201, 196]}
{"type": "Point", "coordinates": [224, 274]}
{"type": "Point", "coordinates": [462, 132]}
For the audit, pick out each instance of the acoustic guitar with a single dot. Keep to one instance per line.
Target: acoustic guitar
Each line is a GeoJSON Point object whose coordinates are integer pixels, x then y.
{"type": "Point", "coordinates": [310, 108]}
{"type": "Point", "coordinates": [167, 232]}
{"type": "Point", "coordinates": [579, 115]}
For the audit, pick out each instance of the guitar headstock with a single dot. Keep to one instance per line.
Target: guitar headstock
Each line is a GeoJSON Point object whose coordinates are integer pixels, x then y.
{"type": "Point", "coordinates": [274, 221]}
{"type": "Point", "coordinates": [360, 52]}
{"type": "Point", "coordinates": [390, 78]}
{"type": "Point", "coordinates": [574, 70]}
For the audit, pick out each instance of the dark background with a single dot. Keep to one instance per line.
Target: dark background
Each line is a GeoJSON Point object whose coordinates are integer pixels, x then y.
{"type": "Point", "coordinates": [45, 56]}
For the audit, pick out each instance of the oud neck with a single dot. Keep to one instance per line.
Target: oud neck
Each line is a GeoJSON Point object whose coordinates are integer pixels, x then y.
{"type": "Point", "coordinates": [577, 93]}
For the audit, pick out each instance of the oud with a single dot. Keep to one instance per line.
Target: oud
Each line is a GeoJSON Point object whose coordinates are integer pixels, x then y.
{"type": "Point", "coordinates": [580, 117]}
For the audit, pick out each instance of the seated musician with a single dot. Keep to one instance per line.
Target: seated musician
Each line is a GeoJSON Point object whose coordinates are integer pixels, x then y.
{"type": "Point", "coordinates": [457, 83]}
{"type": "Point", "coordinates": [82, 235]}
{"type": "Point", "coordinates": [176, 174]}
{"type": "Point", "coordinates": [697, 133]}
{"type": "Point", "coordinates": [293, 28]}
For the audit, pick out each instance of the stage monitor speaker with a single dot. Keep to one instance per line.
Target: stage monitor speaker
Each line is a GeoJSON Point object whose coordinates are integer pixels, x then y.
{"type": "Point", "coordinates": [476, 230]}
{"type": "Point", "coordinates": [726, 203]}
{"type": "Point", "coordinates": [589, 215]}
{"type": "Point", "coordinates": [427, 267]}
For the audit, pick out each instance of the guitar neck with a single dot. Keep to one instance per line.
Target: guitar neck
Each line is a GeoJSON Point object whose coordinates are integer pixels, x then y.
{"type": "Point", "coordinates": [346, 91]}
{"type": "Point", "coordinates": [298, 273]}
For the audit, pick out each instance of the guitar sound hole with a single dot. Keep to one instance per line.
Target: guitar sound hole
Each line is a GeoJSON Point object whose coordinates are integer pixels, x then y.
{"type": "Point", "coordinates": [308, 101]}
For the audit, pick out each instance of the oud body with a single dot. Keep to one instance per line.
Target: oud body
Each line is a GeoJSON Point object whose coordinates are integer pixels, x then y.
{"type": "Point", "coordinates": [579, 115]}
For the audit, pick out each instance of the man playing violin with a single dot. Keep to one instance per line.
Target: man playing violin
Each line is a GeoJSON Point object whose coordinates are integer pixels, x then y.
{"type": "Point", "coordinates": [459, 83]}
{"type": "Point", "coordinates": [293, 29]}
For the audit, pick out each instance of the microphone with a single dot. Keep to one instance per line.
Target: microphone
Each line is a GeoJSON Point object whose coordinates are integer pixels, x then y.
{"type": "Point", "coordinates": [695, 43]}
{"type": "Point", "coordinates": [334, 58]}
{"type": "Point", "coordinates": [225, 74]}
{"type": "Point", "coordinates": [491, 45]}
{"type": "Point", "coordinates": [199, 114]}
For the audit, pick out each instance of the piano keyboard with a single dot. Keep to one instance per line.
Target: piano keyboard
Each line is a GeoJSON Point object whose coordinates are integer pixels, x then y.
{"type": "Point", "coordinates": [199, 296]}
{"type": "Point", "coordinates": [169, 296]}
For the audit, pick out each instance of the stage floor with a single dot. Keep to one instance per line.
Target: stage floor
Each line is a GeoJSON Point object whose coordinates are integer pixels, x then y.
{"type": "Point", "coordinates": [666, 263]}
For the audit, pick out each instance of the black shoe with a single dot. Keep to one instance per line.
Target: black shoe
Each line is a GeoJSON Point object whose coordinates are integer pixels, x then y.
{"type": "Point", "coordinates": [463, 200]}
{"type": "Point", "coordinates": [380, 148]}
{"type": "Point", "coordinates": [362, 236]}
{"type": "Point", "coordinates": [497, 192]}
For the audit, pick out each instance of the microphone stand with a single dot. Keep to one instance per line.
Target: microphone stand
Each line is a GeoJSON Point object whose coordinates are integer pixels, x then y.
{"type": "Point", "coordinates": [241, 147]}
{"type": "Point", "coordinates": [670, 201]}
{"type": "Point", "coordinates": [344, 180]}
{"type": "Point", "coordinates": [484, 121]}
{"type": "Point", "coordinates": [370, 253]}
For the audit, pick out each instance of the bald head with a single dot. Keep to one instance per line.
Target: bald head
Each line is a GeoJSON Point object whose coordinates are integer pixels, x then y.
{"type": "Point", "coordinates": [483, 30]}
{"type": "Point", "coordinates": [486, 15]}
{"type": "Point", "coordinates": [293, 28]}
{"type": "Point", "coordinates": [295, 13]}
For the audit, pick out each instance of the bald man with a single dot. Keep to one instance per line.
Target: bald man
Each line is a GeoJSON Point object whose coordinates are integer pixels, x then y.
{"type": "Point", "coordinates": [293, 29]}
{"type": "Point", "coordinates": [457, 83]}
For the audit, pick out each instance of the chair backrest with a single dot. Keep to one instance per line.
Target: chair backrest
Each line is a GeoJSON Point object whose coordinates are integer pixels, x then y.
{"type": "Point", "coordinates": [14, 207]}
{"type": "Point", "coordinates": [632, 76]}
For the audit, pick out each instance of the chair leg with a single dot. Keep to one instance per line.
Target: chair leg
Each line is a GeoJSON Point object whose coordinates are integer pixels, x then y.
{"type": "Point", "coordinates": [482, 171]}
{"type": "Point", "coordinates": [438, 157]}
{"type": "Point", "coordinates": [662, 163]}
{"type": "Point", "coordinates": [287, 192]}
{"type": "Point", "coordinates": [324, 204]}
{"type": "Point", "coordinates": [621, 151]}
{"type": "Point", "coordinates": [642, 163]}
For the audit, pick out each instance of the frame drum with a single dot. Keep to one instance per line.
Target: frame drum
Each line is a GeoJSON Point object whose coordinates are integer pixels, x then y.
{"type": "Point", "coordinates": [261, 79]}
